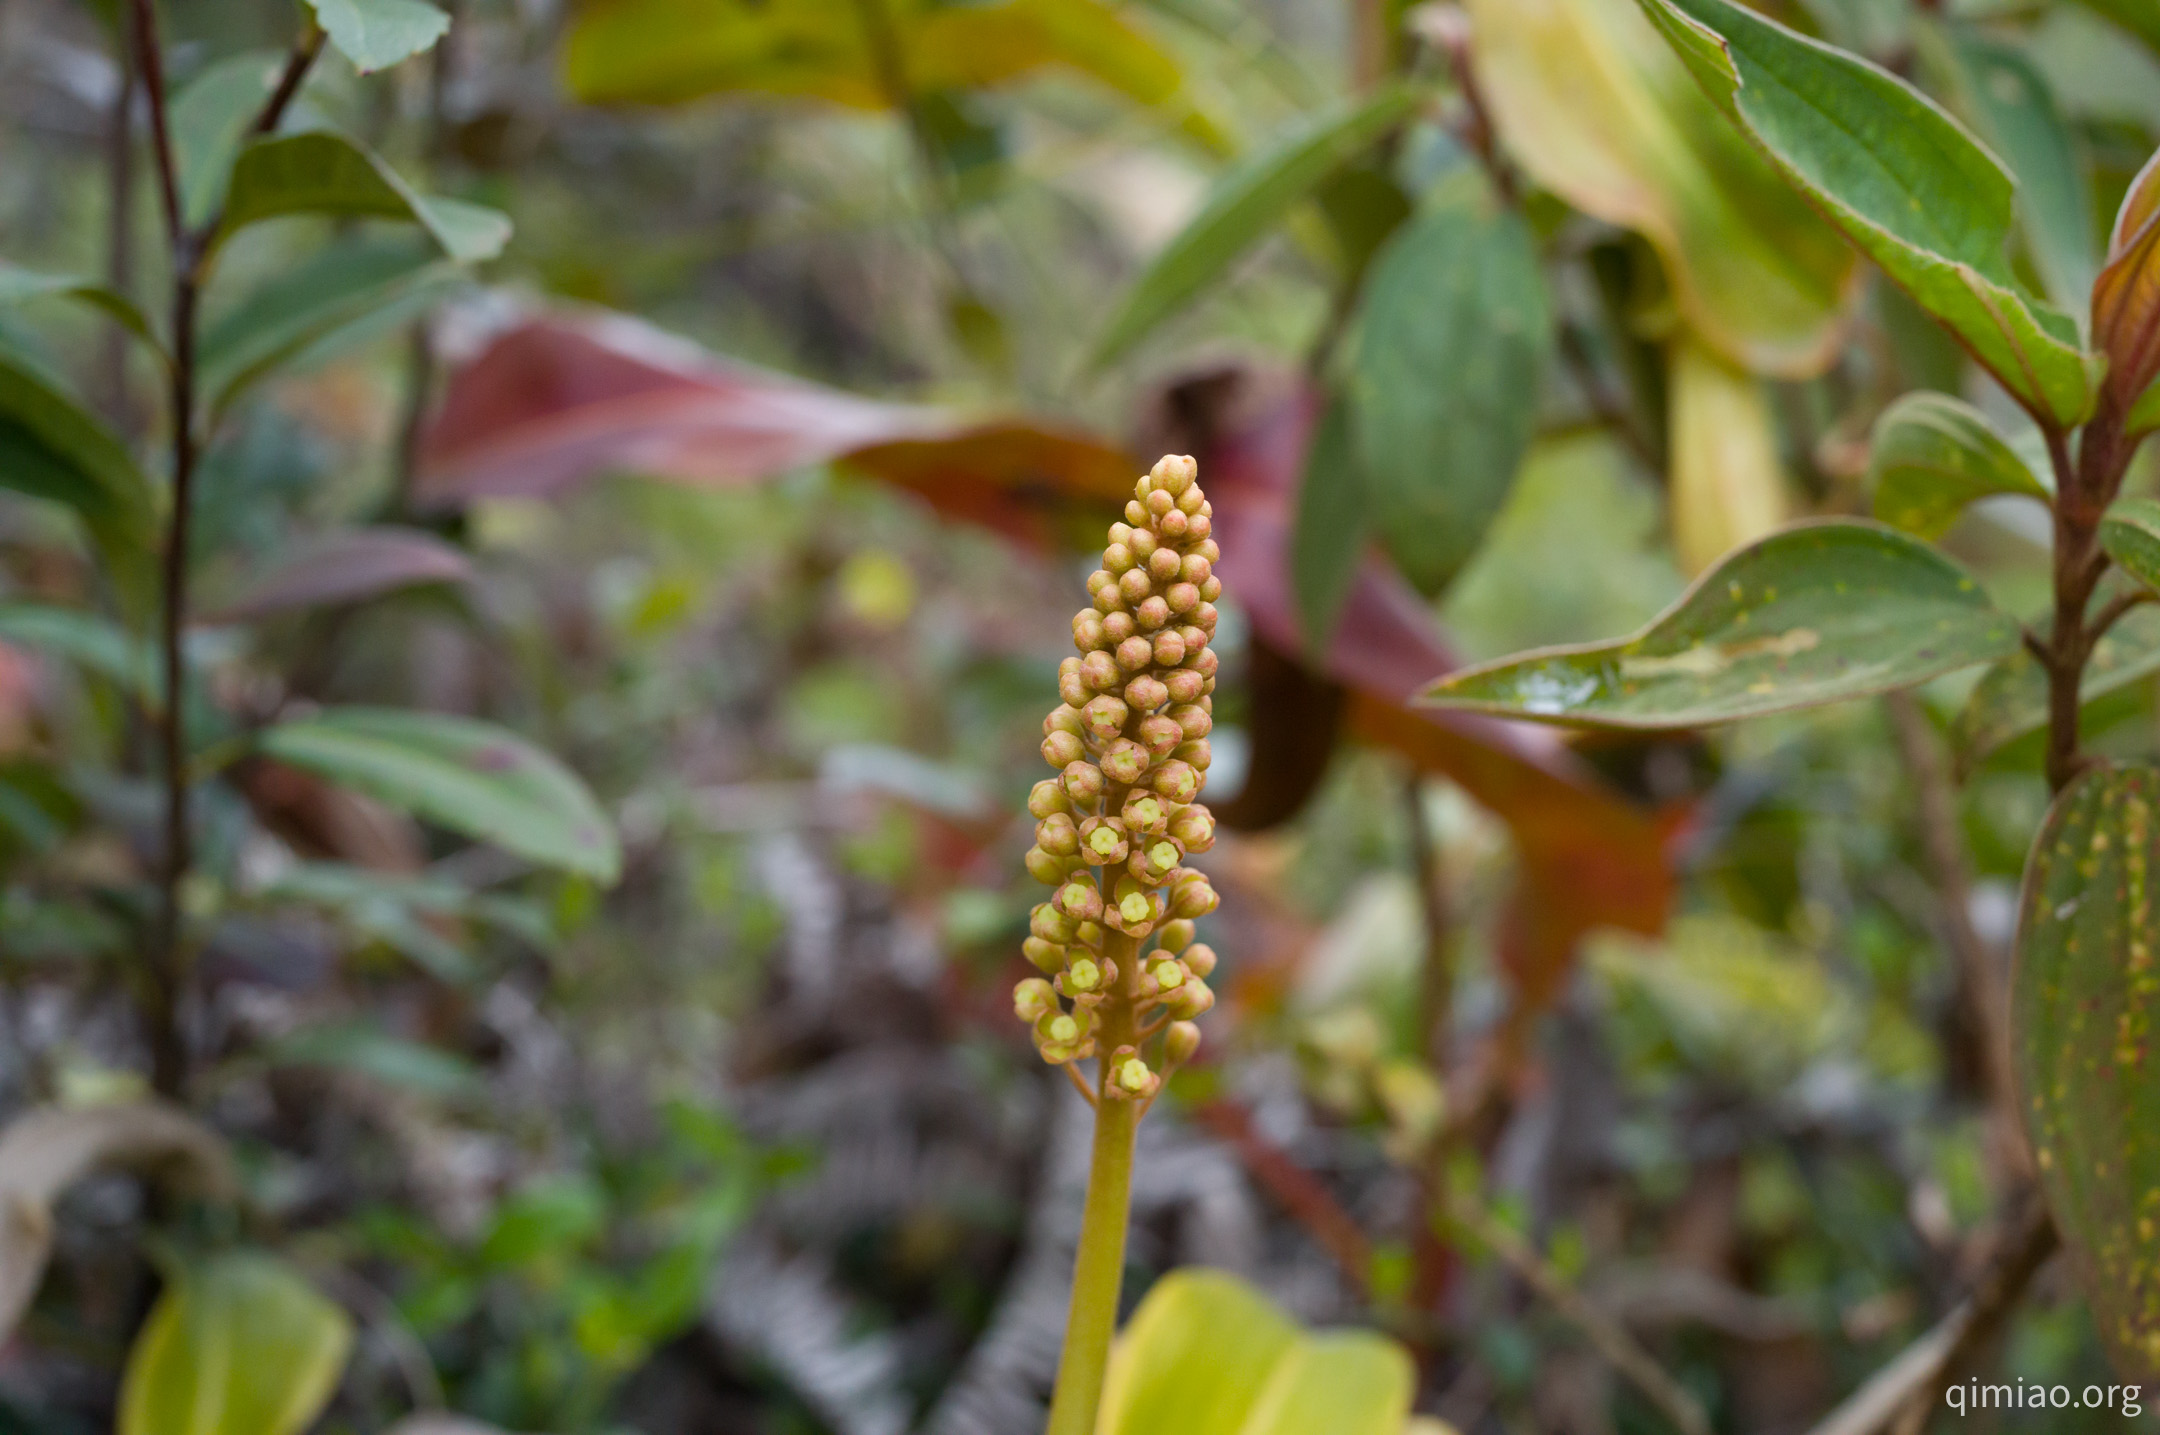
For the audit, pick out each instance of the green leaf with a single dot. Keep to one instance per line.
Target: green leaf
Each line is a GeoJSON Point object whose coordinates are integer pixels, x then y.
{"type": "Point", "coordinates": [94, 642]}
{"type": "Point", "coordinates": [1438, 439]}
{"type": "Point", "coordinates": [1244, 206]}
{"type": "Point", "coordinates": [1726, 487]}
{"type": "Point", "coordinates": [2130, 532]}
{"type": "Point", "coordinates": [1332, 526]}
{"type": "Point", "coordinates": [209, 120]}
{"type": "Point", "coordinates": [1206, 1354]}
{"type": "Point", "coordinates": [318, 172]}
{"type": "Point", "coordinates": [359, 288]}
{"type": "Point", "coordinates": [2144, 415]}
{"type": "Point", "coordinates": [1901, 178]}
{"type": "Point", "coordinates": [376, 34]}
{"type": "Point", "coordinates": [1595, 106]}
{"type": "Point", "coordinates": [2082, 1014]}
{"type": "Point", "coordinates": [19, 286]}
{"type": "Point", "coordinates": [52, 448]}
{"type": "Point", "coordinates": [2140, 17]}
{"type": "Point", "coordinates": [240, 1344]}
{"type": "Point", "coordinates": [1818, 613]}
{"type": "Point", "coordinates": [2011, 698]}
{"type": "Point", "coordinates": [1931, 455]}
{"type": "Point", "coordinates": [376, 1054]}
{"type": "Point", "coordinates": [471, 777]}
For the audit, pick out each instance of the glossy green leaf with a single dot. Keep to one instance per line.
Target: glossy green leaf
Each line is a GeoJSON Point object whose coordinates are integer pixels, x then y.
{"type": "Point", "coordinates": [1901, 178]}
{"type": "Point", "coordinates": [318, 172]}
{"type": "Point", "coordinates": [1332, 528]}
{"type": "Point", "coordinates": [1206, 1354]}
{"type": "Point", "coordinates": [1818, 613]}
{"type": "Point", "coordinates": [358, 289]}
{"type": "Point", "coordinates": [2000, 92]}
{"type": "Point", "coordinates": [20, 286]}
{"type": "Point", "coordinates": [92, 641]}
{"type": "Point", "coordinates": [1245, 205]}
{"type": "Point", "coordinates": [209, 120]}
{"type": "Point", "coordinates": [1931, 455]}
{"type": "Point", "coordinates": [1727, 487]}
{"type": "Point", "coordinates": [376, 34]}
{"type": "Point", "coordinates": [2144, 415]}
{"type": "Point", "coordinates": [471, 777]}
{"type": "Point", "coordinates": [52, 448]}
{"type": "Point", "coordinates": [2130, 532]}
{"type": "Point", "coordinates": [2084, 999]}
{"type": "Point", "coordinates": [1595, 106]}
{"type": "Point", "coordinates": [2011, 698]}
{"type": "Point", "coordinates": [1439, 434]}
{"type": "Point", "coordinates": [239, 1344]}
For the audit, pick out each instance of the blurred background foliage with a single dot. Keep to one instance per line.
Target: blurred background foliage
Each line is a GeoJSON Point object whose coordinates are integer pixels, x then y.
{"type": "Point", "coordinates": [1487, 332]}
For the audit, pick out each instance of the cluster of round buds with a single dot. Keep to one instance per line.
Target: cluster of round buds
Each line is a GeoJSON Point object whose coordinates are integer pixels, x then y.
{"type": "Point", "coordinates": [1114, 827]}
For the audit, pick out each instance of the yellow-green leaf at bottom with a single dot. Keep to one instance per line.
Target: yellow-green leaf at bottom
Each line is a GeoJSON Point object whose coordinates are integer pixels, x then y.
{"type": "Point", "coordinates": [1932, 455]}
{"type": "Point", "coordinates": [238, 1345]}
{"type": "Point", "coordinates": [2083, 1006]}
{"type": "Point", "coordinates": [2131, 534]}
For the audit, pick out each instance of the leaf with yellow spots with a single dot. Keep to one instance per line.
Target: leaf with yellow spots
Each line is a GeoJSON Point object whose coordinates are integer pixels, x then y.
{"type": "Point", "coordinates": [1816, 613]}
{"type": "Point", "coordinates": [2083, 1002]}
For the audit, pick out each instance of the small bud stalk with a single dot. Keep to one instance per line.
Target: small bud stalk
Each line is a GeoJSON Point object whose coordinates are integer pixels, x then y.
{"type": "Point", "coordinates": [1122, 978]}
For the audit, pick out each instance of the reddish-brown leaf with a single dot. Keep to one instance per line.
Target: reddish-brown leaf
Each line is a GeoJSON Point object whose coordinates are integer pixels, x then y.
{"type": "Point", "coordinates": [344, 567]}
{"type": "Point", "coordinates": [2126, 296]}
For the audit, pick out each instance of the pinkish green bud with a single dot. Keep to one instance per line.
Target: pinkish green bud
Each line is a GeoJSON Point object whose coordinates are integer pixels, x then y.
{"type": "Point", "coordinates": [1061, 749]}
{"type": "Point", "coordinates": [1182, 597]}
{"type": "Point", "coordinates": [1193, 898]}
{"type": "Point", "coordinates": [1108, 600]}
{"type": "Point", "coordinates": [1050, 924]}
{"type": "Point", "coordinates": [1087, 628]}
{"type": "Point", "coordinates": [1103, 839]}
{"type": "Point", "coordinates": [1034, 999]}
{"type": "Point", "coordinates": [1045, 957]}
{"type": "Point", "coordinates": [1174, 473]}
{"type": "Point", "coordinates": [1199, 528]}
{"type": "Point", "coordinates": [1083, 782]}
{"type": "Point", "coordinates": [1169, 652]}
{"type": "Point", "coordinates": [1208, 549]}
{"type": "Point", "coordinates": [1135, 514]}
{"type": "Point", "coordinates": [1047, 867]}
{"type": "Point", "coordinates": [1060, 1029]}
{"type": "Point", "coordinates": [1211, 590]}
{"type": "Point", "coordinates": [1135, 653]}
{"type": "Point", "coordinates": [1181, 1043]}
{"type": "Point", "coordinates": [1142, 544]}
{"type": "Point", "coordinates": [1118, 559]}
{"type": "Point", "coordinates": [1099, 671]}
{"type": "Point", "coordinates": [1132, 1075]}
{"type": "Point", "coordinates": [1161, 858]}
{"type": "Point", "coordinates": [1195, 568]}
{"type": "Point", "coordinates": [1057, 834]}
{"type": "Point", "coordinates": [1125, 761]}
{"type": "Point", "coordinates": [1164, 565]}
{"type": "Point", "coordinates": [1191, 501]}
{"type": "Point", "coordinates": [1196, 753]}
{"type": "Point", "coordinates": [1072, 686]}
{"type": "Point", "coordinates": [1100, 579]}
{"type": "Point", "coordinates": [1169, 976]}
{"type": "Point", "coordinates": [1160, 735]}
{"type": "Point", "coordinates": [1203, 662]}
{"type": "Point", "coordinates": [1190, 1000]}
{"type": "Point", "coordinates": [1204, 618]}
{"type": "Point", "coordinates": [1084, 975]}
{"type": "Point", "coordinates": [1184, 685]}
{"type": "Point", "coordinates": [1079, 900]}
{"type": "Point", "coordinates": [1176, 936]}
{"type": "Point", "coordinates": [1116, 629]}
{"type": "Point", "coordinates": [1065, 717]}
{"type": "Point", "coordinates": [1173, 526]}
{"type": "Point", "coordinates": [1159, 503]}
{"type": "Point", "coordinates": [1133, 585]}
{"type": "Point", "coordinates": [1147, 693]}
{"type": "Point", "coordinates": [1194, 639]}
{"type": "Point", "coordinates": [1194, 828]}
{"type": "Point", "coordinates": [1193, 720]}
{"type": "Point", "coordinates": [1177, 780]}
{"type": "Point", "coordinates": [1152, 614]}
{"type": "Point", "coordinates": [1047, 797]}
{"type": "Point", "coordinates": [1199, 958]}
{"type": "Point", "coordinates": [1145, 812]}
{"type": "Point", "coordinates": [1105, 717]}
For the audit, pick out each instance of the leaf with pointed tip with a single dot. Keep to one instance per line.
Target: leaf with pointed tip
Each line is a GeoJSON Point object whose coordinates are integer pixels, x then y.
{"type": "Point", "coordinates": [1727, 487]}
{"type": "Point", "coordinates": [471, 777]}
{"type": "Point", "coordinates": [1245, 205]}
{"type": "Point", "coordinates": [87, 639]}
{"type": "Point", "coordinates": [2130, 532]}
{"type": "Point", "coordinates": [376, 34]}
{"type": "Point", "coordinates": [239, 1344]}
{"type": "Point", "coordinates": [209, 120]}
{"type": "Point", "coordinates": [52, 448]}
{"type": "Point", "coordinates": [344, 566]}
{"type": "Point", "coordinates": [19, 286]}
{"type": "Point", "coordinates": [2084, 1001]}
{"type": "Point", "coordinates": [1901, 178]}
{"type": "Point", "coordinates": [1594, 105]}
{"type": "Point", "coordinates": [1328, 543]}
{"type": "Point", "coordinates": [2126, 297]}
{"type": "Point", "coordinates": [2011, 698]}
{"type": "Point", "coordinates": [1818, 613]}
{"type": "Point", "coordinates": [1438, 439]}
{"type": "Point", "coordinates": [318, 172]}
{"type": "Point", "coordinates": [1931, 455]}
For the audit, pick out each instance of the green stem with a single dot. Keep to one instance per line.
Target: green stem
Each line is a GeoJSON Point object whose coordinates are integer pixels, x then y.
{"type": "Point", "coordinates": [1099, 1265]}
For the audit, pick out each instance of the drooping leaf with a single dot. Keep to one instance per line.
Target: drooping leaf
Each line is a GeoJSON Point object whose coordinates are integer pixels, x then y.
{"type": "Point", "coordinates": [2083, 1001]}
{"type": "Point", "coordinates": [19, 286]}
{"type": "Point", "coordinates": [45, 1151]}
{"type": "Point", "coordinates": [1328, 544]}
{"type": "Point", "coordinates": [354, 290]}
{"type": "Point", "coordinates": [1206, 1354]}
{"type": "Point", "coordinates": [318, 172]}
{"type": "Point", "coordinates": [239, 1344]}
{"type": "Point", "coordinates": [1901, 178]}
{"type": "Point", "coordinates": [471, 777]}
{"type": "Point", "coordinates": [1245, 205]}
{"type": "Point", "coordinates": [1818, 613]}
{"type": "Point", "coordinates": [88, 639]}
{"type": "Point", "coordinates": [344, 566]}
{"type": "Point", "coordinates": [2126, 297]}
{"type": "Point", "coordinates": [1596, 107]}
{"type": "Point", "coordinates": [368, 1051]}
{"type": "Point", "coordinates": [1727, 487]}
{"type": "Point", "coordinates": [2003, 95]}
{"type": "Point", "coordinates": [52, 448]}
{"type": "Point", "coordinates": [376, 34]}
{"type": "Point", "coordinates": [209, 119]}
{"type": "Point", "coordinates": [2011, 698]}
{"type": "Point", "coordinates": [1931, 455]}
{"type": "Point", "coordinates": [1453, 333]}
{"type": "Point", "coordinates": [2130, 532]}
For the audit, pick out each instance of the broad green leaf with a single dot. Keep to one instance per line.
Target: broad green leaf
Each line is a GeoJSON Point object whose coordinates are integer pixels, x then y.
{"type": "Point", "coordinates": [1727, 487]}
{"type": "Point", "coordinates": [2003, 96]}
{"type": "Point", "coordinates": [94, 642]}
{"type": "Point", "coordinates": [52, 448]}
{"type": "Point", "coordinates": [2144, 415]}
{"type": "Point", "coordinates": [2011, 698]}
{"type": "Point", "coordinates": [1931, 455]}
{"type": "Point", "coordinates": [1901, 178]}
{"type": "Point", "coordinates": [2140, 17]}
{"type": "Point", "coordinates": [2130, 532]}
{"type": "Point", "coordinates": [1353, 1382]}
{"type": "Point", "coordinates": [1244, 206]}
{"type": "Point", "coordinates": [318, 172]}
{"type": "Point", "coordinates": [19, 286]}
{"type": "Point", "coordinates": [1332, 528]}
{"type": "Point", "coordinates": [376, 34]}
{"type": "Point", "coordinates": [2083, 1007]}
{"type": "Point", "coordinates": [471, 777]}
{"type": "Point", "coordinates": [368, 1051]}
{"type": "Point", "coordinates": [1438, 436]}
{"type": "Point", "coordinates": [1595, 106]}
{"type": "Point", "coordinates": [210, 118]}
{"type": "Point", "coordinates": [239, 1344]}
{"type": "Point", "coordinates": [357, 289]}
{"type": "Point", "coordinates": [1818, 613]}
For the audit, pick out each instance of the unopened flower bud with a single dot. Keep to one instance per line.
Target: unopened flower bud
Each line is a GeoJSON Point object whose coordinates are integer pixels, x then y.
{"type": "Point", "coordinates": [1083, 782]}
{"type": "Point", "coordinates": [1063, 718]}
{"type": "Point", "coordinates": [1152, 614]}
{"type": "Point", "coordinates": [1117, 558]}
{"type": "Point", "coordinates": [1211, 590]}
{"type": "Point", "coordinates": [1177, 780]}
{"type": "Point", "coordinates": [1100, 579]}
{"type": "Point", "coordinates": [1121, 533]}
{"type": "Point", "coordinates": [1199, 958]}
{"type": "Point", "coordinates": [1034, 999]}
{"type": "Point", "coordinates": [1087, 626]}
{"type": "Point", "coordinates": [1143, 543]}
{"type": "Point", "coordinates": [1190, 1000]}
{"type": "Point", "coordinates": [1057, 835]}
{"type": "Point", "coordinates": [1174, 525]}
{"type": "Point", "coordinates": [1198, 528]}
{"type": "Point", "coordinates": [1184, 685]}
{"type": "Point", "coordinates": [1208, 549]}
{"type": "Point", "coordinates": [1103, 839]}
{"type": "Point", "coordinates": [1147, 693]}
{"type": "Point", "coordinates": [1084, 975]}
{"type": "Point", "coordinates": [1192, 501]}
{"type": "Point", "coordinates": [1204, 617]}
{"type": "Point", "coordinates": [1195, 568]}
{"type": "Point", "coordinates": [1160, 858]}
{"type": "Point", "coordinates": [1182, 597]}
{"type": "Point", "coordinates": [1047, 797]}
{"type": "Point", "coordinates": [1079, 900]}
{"type": "Point", "coordinates": [1194, 827]}
{"type": "Point", "coordinates": [1135, 513]}
{"type": "Point", "coordinates": [1133, 585]}
{"type": "Point", "coordinates": [1195, 638]}
{"type": "Point", "coordinates": [1105, 717]}
{"type": "Point", "coordinates": [1047, 922]}
{"type": "Point", "coordinates": [1193, 720]}
{"type": "Point", "coordinates": [1099, 672]}
{"type": "Point", "coordinates": [1071, 685]}
{"type": "Point", "coordinates": [1133, 1077]}
{"type": "Point", "coordinates": [1125, 761]}
{"type": "Point", "coordinates": [1109, 600]}
{"type": "Point", "coordinates": [1169, 652]}
{"type": "Point", "coordinates": [1165, 565]}
{"type": "Point", "coordinates": [1063, 748]}
{"type": "Point", "coordinates": [1174, 473]}
{"type": "Point", "coordinates": [1197, 754]}
{"type": "Point", "coordinates": [1160, 735]}
{"type": "Point", "coordinates": [1144, 485]}
{"type": "Point", "coordinates": [1181, 1043]}
{"type": "Point", "coordinates": [1203, 662]}
{"type": "Point", "coordinates": [1135, 653]}
{"type": "Point", "coordinates": [1045, 957]}
{"type": "Point", "coordinates": [1159, 503]}
{"type": "Point", "coordinates": [1193, 897]}
{"type": "Point", "coordinates": [1145, 812]}
{"type": "Point", "coordinates": [1047, 867]}
{"type": "Point", "coordinates": [1168, 975]}
{"type": "Point", "coordinates": [1176, 936]}
{"type": "Point", "coordinates": [1116, 629]}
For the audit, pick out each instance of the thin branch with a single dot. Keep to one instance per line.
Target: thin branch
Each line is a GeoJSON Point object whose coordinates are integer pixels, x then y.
{"type": "Point", "coordinates": [290, 79]}
{"type": "Point", "coordinates": [1436, 976]}
{"type": "Point", "coordinates": [150, 65]}
{"type": "Point", "coordinates": [2113, 612]}
{"type": "Point", "coordinates": [1072, 1074]}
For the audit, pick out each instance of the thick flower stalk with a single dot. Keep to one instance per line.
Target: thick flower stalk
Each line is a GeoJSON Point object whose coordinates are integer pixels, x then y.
{"type": "Point", "coordinates": [1122, 977]}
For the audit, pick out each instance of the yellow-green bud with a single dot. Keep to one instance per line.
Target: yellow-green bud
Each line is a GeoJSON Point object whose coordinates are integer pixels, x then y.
{"type": "Point", "coordinates": [1083, 975]}
{"type": "Point", "coordinates": [1194, 826]}
{"type": "Point", "coordinates": [1057, 834]}
{"type": "Point", "coordinates": [1180, 1043]}
{"type": "Point", "coordinates": [1199, 958]}
{"type": "Point", "coordinates": [1133, 1076]}
{"type": "Point", "coordinates": [1135, 514]}
{"type": "Point", "coordinates": [1174, 473]}
{"type": "Point", "coordinates": [1169, 976]}
{"type": "Point", "coordinates": [1046, 867]}
{"type": "Point", "coordinates": [1152, 613]}
{"type": "Point", "coordinates": [1145, 812]}
{"type": "Point", "coordinates": [1164, 565]}
{"type": "Point", "coordinates": [1176, 936]}
{"type": "Point", "coordinates": [1125, 761]}
{"type": "Point", "coordinates": [1190, 1000]}
{"type": "Point", "coordinates": [1079, 900]}
{"type": "Point", "coordinates": [1195, 754]}
{"type": "Point", "coordinates": [1087, 934]}
{"type": "Point", "coordinates": [1034, 999]}
{"type": "Point", "coordinates": [1046, 957]}
{"type": "Point", "coordinates": [1158, 504]}
{"type": "Point", "coordinates": [1147, 693]}
{"type": "Point", "coordinates": [1177, 781]}
{"type": "Point", "coordinates": [1083, 782]}
{"type": "Point", "coordinates": [1047, 797]}
{"type": "Point", "coordinates": [1087, 630]}
{"type": "Point", "coordinates": [1160, 735]}
{"type": "Point", "coordinates": [1169, 649]}
{"type": "Point", "coordinates": [1194, 898]}
{"type": "Point", "coordinates": [1211, 590]}
{"type": "Point", "coordinates": [1117, 558]}
{"type": "Point", "coordinates": [1050, 924]}
{"type": "Point", "coordinates": [1061, 748]}
{"type": "Point", "coordinates": [1195, 568]}
{"type": "Point", "coordinates": [1116, 629]}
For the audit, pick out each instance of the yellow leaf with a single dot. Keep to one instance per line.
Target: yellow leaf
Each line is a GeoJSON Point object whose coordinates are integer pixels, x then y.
{"type": "Point", "coordinates": [1726, 488]}
{"type": "Point", "coordinates": [237, 1345]}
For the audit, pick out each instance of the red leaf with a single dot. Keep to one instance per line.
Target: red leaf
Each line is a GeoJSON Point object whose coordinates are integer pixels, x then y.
{"type": "Point", "coordinates": [344, 567]}
{"type": "Point", "coordinates": [2126, 295]}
